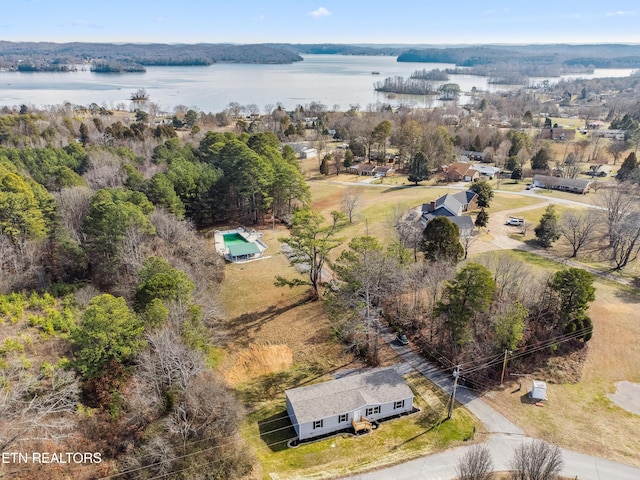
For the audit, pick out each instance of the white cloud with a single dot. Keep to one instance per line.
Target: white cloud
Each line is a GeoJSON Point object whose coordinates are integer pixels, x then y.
{"type": "Point", "coordinates": [621, 13]}
{"type": "Point", "coordinates": [320, 12]}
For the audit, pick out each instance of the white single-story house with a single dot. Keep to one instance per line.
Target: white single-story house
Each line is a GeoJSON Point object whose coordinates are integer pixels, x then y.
{"type": "Point", "coordinates": [575, 185]}
{"type": "Point", "coordinates": [328, 407]}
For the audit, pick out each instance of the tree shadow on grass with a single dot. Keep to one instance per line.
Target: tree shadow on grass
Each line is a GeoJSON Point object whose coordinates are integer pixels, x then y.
{"type": "Point", "coordinates": [627, 295]}
{"type": "Point", "coordinates": [276, 431]}
{"type": "Point", "coordinates": [246, 321]}
{"type": "Point", "coordinates": [268, 387]}
{"type": "Point", "coordinates": [395, 188]}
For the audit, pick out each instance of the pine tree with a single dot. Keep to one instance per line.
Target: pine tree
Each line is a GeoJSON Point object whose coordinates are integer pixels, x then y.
{"type": "Point", "coordinates": [482, 219]}
{"type": "Point", "coordinates": [548, 230]}
{"type": "Point", "coordinates": [629, 165]}
{"type": "Point", "coordinates": [419, 168]}
{"type": "Point", "coordinates": [441, 241]}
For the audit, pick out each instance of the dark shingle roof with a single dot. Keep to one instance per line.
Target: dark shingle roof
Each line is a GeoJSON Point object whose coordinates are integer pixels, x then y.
{"type": "Point", "coordinates": [347, 394]}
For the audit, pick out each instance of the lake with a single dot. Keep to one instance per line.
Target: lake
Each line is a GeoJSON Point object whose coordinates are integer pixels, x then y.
{"type": "Point", "coordinates": [334, 80]}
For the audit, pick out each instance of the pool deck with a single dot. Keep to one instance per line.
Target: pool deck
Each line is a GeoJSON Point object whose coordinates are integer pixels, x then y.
{"type": "Point", "coordinates": [250, 236]}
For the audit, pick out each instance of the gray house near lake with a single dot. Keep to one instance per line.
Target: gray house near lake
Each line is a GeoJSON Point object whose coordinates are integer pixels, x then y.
{"type": "Point", "coordinates": [329, 407]}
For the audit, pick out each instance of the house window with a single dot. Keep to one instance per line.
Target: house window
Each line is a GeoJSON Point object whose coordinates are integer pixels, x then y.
{"type": "Point", "coordinates": [399, 404]}
{"type": "Point", "coordinates": [342, 418]}
{"type": "Point", "coordinates": [373, 410]}
{"type": "Point", "coordinates": [317, 424]}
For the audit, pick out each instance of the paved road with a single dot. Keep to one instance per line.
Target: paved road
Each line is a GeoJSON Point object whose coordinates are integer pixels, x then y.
{"type": "Point", "coordinates": [442, 466]}
{"type": "Point", "coordinates": [493, 421]}
{"type": "Point", "coordinates": [503, 439]}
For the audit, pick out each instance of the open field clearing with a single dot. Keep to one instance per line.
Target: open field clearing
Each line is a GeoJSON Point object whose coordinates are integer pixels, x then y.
{"type": "Point", "coordinates": [257, 312]}
{"type": "Point", "coordinates": [276, 340]}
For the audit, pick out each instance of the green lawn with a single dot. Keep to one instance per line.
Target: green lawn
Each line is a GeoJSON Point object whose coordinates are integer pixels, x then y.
{"type": "Point", "coordinates": [268, 429]}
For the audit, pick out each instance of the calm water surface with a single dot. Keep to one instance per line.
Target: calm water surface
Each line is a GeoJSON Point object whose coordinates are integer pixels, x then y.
{"type": "Point", "coordinates": [335, 80]}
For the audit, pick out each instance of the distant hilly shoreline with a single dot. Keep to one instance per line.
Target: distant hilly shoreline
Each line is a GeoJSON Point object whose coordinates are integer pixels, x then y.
{"type": "Point", "coordinates": [134, 57]}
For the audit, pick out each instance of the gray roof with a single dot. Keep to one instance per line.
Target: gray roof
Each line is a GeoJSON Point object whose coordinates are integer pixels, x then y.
{"type": "Point", "coordinates": [551, 182]}
{"type": "Point", "coordinates": [465, 223]}
{"type": "Point", "coordinates": [452, 202]}
{"type": "Point", "coordinates": [347, 394]}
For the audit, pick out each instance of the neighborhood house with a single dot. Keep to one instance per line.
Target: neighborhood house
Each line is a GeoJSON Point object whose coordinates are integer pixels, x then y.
{"type": "Point", "coordinates": [575, 185]}
{"type": "Point", "coordinates": [348, 402]}
{"type": "Point", "coordinates": [461, 172]}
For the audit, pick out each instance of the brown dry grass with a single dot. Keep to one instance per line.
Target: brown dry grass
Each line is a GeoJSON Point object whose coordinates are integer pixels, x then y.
{"type": "Point", "coordinates": [258, 313]}
{"type": "Point", "coordinates": [580, 416]}
{"type": "Point", "coordinates": [258, 360]}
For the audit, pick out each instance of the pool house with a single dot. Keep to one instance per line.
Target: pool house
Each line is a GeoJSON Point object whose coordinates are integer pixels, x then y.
{"type": "Point", "coordinates": [239, 245]}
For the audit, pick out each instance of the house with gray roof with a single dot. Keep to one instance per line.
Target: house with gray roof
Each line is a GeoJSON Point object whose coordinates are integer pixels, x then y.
{"type": "Point", "coordinates": [575, 185]}
{"type": "Point", "coordinates": [452, 206]}
{"type": "Point", "coordinates": [328, 407]}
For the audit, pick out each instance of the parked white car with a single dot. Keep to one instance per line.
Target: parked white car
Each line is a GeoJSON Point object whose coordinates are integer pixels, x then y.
{"type": "Point", "coordinates": [515, 221]}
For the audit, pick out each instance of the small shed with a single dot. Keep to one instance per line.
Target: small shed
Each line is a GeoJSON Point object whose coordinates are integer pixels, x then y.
{"type": "Point", "coordinates": [539, 390]}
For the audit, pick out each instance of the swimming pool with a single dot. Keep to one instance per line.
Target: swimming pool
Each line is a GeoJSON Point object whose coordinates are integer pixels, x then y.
{"type": "Point", "coordinates": [233, 239]}
{"type": "Point", "coordinates": [239, 245]}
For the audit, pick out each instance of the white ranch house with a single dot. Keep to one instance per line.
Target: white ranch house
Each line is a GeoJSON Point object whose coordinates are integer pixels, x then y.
{"type": "Point", "coordinates": [332, 406]}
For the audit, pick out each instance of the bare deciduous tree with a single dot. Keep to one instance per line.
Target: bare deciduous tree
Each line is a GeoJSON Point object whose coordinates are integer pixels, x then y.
{"type": "Point", "coordinates": [350, 201]}
{"type": "Point", "coordinates": [338, 157]}
{"type": "Point", "coordinates": [169, 363]}
{"type": "Point", "coordinates": [475, 464]}
{"type": "Point", "coordinates": [625, 240]}
{"type": "Point", "coordinates": [579, 228]}
{"type": "Point", "coordinates": [74, 204]}
{"type": "Point", "coordinates": [36, 407]}
{"type": "Point", "coordinates": [509, 273]}
{"type": "Point", "coordinates": [536, 460]}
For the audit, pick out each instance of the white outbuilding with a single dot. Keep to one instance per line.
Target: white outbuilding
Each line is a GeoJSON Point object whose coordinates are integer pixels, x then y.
{"type": "Point", "coordinates": [539, 390]}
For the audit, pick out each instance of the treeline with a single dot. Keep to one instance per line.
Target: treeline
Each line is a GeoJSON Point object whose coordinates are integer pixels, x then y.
{"type": "Point", "coordinates": [434, 75]}
{"type": "Point", "coordinates": [599, 56]}
{"type": "Point", "coordinates": [45, 56]}
{"type": "Point", "coordinates": [342, 49]}
{"type": "Point", "coordinates": [409, 86]}
{"type": "Point", "coordinates": [116, 67]}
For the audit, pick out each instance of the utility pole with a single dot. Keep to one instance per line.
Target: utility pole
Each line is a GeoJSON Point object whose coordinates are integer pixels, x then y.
{"type": "Point", "coordinates": [456, 375]}
{"type": "Point", "coordinates": [504, 365]}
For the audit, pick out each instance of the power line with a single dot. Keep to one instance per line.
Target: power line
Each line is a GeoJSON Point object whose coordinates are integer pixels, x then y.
{"type": "Point", "coordinates": [494, 360]}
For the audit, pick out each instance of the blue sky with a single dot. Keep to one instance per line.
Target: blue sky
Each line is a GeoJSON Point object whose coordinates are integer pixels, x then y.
{"type": "Point", "coordinates": [321, 21]}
